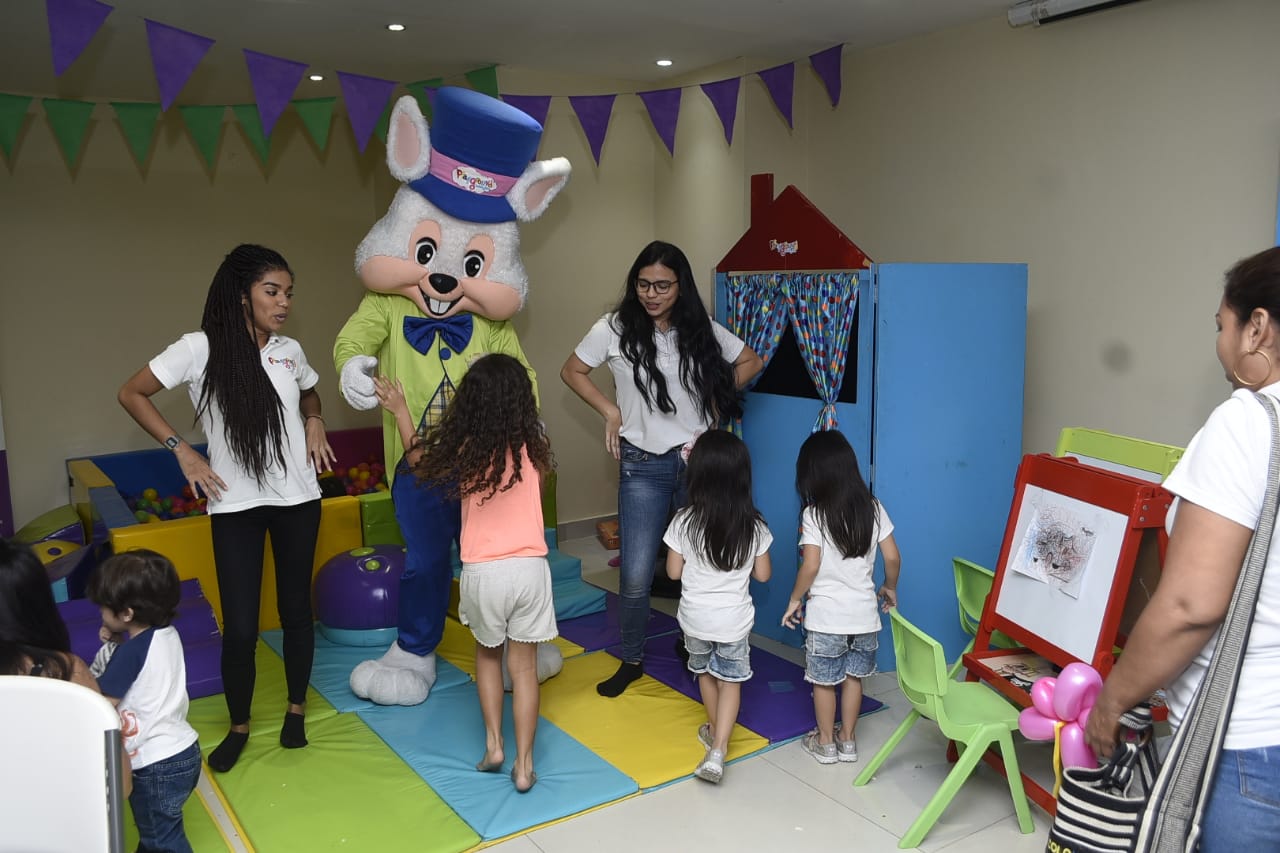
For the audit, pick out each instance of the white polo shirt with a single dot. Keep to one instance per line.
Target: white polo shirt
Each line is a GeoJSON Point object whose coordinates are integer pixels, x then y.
{"type": "Point", "coordinates": [282, 358]}
{"type": "Point", "coordinates": [643, 426]}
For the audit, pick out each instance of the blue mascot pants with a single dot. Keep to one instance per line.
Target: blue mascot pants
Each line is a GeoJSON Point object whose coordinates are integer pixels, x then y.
{"type": "Point", "coordinates": [430, 522]}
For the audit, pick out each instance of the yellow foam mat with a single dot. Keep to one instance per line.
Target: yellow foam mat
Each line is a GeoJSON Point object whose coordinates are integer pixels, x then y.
{"type": "Point", "coordinates": [650, 732]}
{"type": "Point", "coordinates": [458, 647]}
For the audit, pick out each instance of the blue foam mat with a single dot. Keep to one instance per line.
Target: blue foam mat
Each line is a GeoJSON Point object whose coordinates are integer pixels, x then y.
{"type": "Point", "coordinates": [331, 671]}
{"type": "Point", "coordinates": [443, 738]}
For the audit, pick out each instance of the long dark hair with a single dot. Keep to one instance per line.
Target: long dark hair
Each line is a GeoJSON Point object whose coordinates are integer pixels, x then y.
{"type": "Point", "coordinates": [32, 632]}
{"type": "Point", "coordinates": [252, 414]}
{"type": "Point", "coordinates": [829, 482]}
{"type": "Point", "coordinates": [703, 370]}
{"type": "Point", "coordinates": [720, 516]}
{"type": "Point", "coordinates": [492, 414]}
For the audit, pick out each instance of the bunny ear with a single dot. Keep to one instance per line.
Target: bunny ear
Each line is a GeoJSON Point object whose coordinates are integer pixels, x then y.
{"type": "Point", "coordinates": [537, 187]}
{"type": "Point", "coordinates": [408, 141]}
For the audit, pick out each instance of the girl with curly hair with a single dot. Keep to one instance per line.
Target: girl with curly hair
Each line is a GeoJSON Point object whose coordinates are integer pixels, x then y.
{"type": "Point", "coordinates": [255, 398]}
{"type": "Point", "coordinates": [677, 373]}
{"type": "Point", "coordinates": [491, 452]}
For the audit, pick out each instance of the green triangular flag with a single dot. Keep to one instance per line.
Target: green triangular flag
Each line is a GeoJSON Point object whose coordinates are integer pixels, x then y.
{"type": "Point", "coordinates": [484, 80]}
{"type": "Point", "coordinates": [418, 90]}
{"type": "Point", "coordinates": [138, 121]}
{"type": "Point", "coordinates": [384, 123]}
{"type": "Point", "coordinates": [13, 112]}
{"type": "Point", "coordinates": [204, 123]}
{"type": "Point", "coordinates": [317, 115]}
{"type": "Point", "coordinates": [251, 123]}
{"type": "Point", "coordinates": [70, 120]}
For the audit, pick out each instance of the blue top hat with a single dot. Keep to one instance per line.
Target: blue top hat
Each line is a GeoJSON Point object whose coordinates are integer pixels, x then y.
{"type": "Point", "coordinates": [479, 148]}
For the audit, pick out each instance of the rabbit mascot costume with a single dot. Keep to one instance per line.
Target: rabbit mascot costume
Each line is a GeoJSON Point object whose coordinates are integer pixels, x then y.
{"type": "Point", "coordinates": [444, 277]}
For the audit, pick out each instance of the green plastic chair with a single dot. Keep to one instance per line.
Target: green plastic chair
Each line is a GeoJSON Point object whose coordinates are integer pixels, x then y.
{"type": "Point", "coordinates": [973, 585]}
{"type": "Point", "coordinates": [970, 713]}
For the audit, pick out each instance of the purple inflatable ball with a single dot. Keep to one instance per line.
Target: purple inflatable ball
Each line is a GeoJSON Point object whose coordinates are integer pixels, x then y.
{"type": "Point", "coordinates": [359, 590]}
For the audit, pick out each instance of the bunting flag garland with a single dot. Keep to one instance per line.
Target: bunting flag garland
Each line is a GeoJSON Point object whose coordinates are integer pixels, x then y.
{"type": "Point", "coordinates": [724, 97]}
{"type": "Point", "coordinates": [205, 126]}
{"type": "Point", "coordinates": [780, 81]}
{"type": "Point", "coordinates": [274, 82]}
{"type": "Point", "coordinates": [535, 107]}
{"type": "Point", "coordinates": [484, 80]}
{"type": "Point", "coordinates": [424, 92]}
{"type": "Point", "coordinates": [72, 25]}
{"type": "Point", "coordinates": [175, 54]}
{"type": "Point", "coordinates": [664, 109]}
{"type": "Point", "coordinates": [365, 97]}
{"type": "Point", "coordinates": [593, 113]}
{"type": "Point", "coordinates": [138, 122]}
{"type": "Point", "coordinates": [383, 127]}
{"type": "Point", "coordinates": [827, 65]}
{"type": "Point", "coordinates": [251, 123]}
{"type": "Point", "coordinates": [317, 118]}
{"type": "Point", "coordinates": [13, 112]}
{"type": "Point", "coordinates": [70, 121]}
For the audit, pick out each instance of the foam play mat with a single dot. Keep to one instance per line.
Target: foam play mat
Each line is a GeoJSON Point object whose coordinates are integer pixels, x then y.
{"type": "Point", "coordinates": [600, 630]}
{"type": "Point", "coordinates": [777, 703]}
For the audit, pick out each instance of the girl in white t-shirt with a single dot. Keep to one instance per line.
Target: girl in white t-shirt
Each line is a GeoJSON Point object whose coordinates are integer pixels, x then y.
{"type": "Point", "coordinates": [842, 525]}
{"type": "Point", "coordinates": [716, 545]}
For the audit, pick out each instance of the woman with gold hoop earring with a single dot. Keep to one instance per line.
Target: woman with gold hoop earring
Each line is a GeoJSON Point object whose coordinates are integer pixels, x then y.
{"type": "Point", "coordinates": [1219, 486]}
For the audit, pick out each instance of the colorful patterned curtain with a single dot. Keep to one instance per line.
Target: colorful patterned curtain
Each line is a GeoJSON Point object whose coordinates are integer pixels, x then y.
{"type": "Point", "coordinates": [756, 311]}
{"type": "Point", "coordinates": [821, 309]}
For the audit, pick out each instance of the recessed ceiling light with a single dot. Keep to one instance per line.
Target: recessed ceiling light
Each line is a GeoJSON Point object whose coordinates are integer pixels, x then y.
{"type": "Point", "coordinates": [395, 28]}
{"type": "Point", "coordinates": [664, 62]}
{"type": "Point", "coordinates": [316, 77]}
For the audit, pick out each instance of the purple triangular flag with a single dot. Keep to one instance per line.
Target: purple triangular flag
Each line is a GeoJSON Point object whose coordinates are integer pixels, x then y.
{"type": "Point", "coordinates": [274, 82]}
{"type": "Point", "coordinates": [366, 98]}
{"type": "Point", "coordinates": [664, 110]}
{"type": "Point", "coordinates": [534, 106]}
{"type": "Point", "coordinates": [723, 95]}
{"type": "Point", "coordinates": [827, 64]}
{"type": "Point", "coordinates": [72, 25]}
{"type": "Point", "coordinates": [175, 54]}
{"type": "Point", "coordinates": [593, 113]}
{"type": "Point", "coordinates": [780, 81]}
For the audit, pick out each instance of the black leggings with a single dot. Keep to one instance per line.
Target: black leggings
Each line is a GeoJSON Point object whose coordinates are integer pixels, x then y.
{"type": "Point", "coordinates": [239, 540]}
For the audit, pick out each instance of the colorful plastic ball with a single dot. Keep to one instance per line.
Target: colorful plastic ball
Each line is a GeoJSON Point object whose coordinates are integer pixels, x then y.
{"type": "Point", "coordinates": [359, 589]}
{"type": "Point", "coordinates": [150, 494]}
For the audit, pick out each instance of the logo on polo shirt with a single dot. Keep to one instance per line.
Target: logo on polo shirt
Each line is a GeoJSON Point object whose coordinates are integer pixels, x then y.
{"type": "Point", "coordinates": [289, 364]}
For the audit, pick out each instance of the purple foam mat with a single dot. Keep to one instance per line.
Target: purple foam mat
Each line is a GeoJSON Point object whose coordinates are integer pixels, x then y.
{"type": "Point", "coordinates": [596, 631]}
{"type": "Point", "coordinates": [201, 640]}
{"type": "Point", "coordinates": [777, 703]}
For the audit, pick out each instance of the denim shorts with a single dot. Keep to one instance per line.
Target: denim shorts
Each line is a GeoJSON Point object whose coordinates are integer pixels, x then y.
{"type": "Point", "coordinates": [726, 661]}
{"type": "Point", "coordinates": [830, 658]}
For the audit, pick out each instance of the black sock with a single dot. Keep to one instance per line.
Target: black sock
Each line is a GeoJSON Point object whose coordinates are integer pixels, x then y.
{"type": "Point", "coordinates": [225, 755]}
{"type": "Point", "coordinates": [293, 734]}
{"type": "Point", "coordinates": [616, 683]}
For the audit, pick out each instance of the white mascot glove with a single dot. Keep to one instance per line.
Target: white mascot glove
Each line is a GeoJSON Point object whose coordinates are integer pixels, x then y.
{"type": "Point", "coordinates": [356, 382]}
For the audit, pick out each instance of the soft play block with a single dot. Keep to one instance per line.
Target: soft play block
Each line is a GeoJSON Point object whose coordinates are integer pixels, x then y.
{"type": "Point", "coordinates": [777, 703]}
{"type": "Point", "coordinates": [345, 791]}
{"type": "Point", "coordinates": [201, 642]}
{"type": "Point", "coordinates": [443, 738]}
{"type": "Point", "coordinates": [598, 630]}
{"type": "Point", "coordinates": [650, 732]}
{"type": "Point", "coordinates": [331, 670]}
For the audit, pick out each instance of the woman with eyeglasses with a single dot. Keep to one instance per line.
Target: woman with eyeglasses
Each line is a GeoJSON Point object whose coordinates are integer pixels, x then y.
{"type": "Point", "coordinates": [677, 374]}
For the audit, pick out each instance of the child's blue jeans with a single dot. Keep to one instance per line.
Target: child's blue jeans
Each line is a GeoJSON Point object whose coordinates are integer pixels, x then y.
{"type": "Point", "coordinates": [159, 792]}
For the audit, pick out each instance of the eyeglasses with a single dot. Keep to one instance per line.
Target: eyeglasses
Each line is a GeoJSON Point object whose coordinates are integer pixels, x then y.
{"type": "Point", "coordinates": [658, 287]}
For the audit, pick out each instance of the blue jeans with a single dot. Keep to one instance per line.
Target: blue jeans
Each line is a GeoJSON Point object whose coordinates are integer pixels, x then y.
{"type": "Point", "coordinates": [159, 792]}
{"type": "Point", "coordinates": [651, 486]}
{"type": "Point", "coordinates": [1244, 804]}
{"type": "Point", "coordinates": [430, 522]}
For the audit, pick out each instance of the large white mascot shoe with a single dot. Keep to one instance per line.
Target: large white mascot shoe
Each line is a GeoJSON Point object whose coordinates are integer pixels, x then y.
{"type": "Point", "coordinates": [396, 678]}
{"type": "Point", "coordinates": [550, 662]}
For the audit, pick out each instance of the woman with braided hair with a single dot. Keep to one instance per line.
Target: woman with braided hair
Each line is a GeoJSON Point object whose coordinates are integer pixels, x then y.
{"type": "Point", "coordinates": [255, 398]}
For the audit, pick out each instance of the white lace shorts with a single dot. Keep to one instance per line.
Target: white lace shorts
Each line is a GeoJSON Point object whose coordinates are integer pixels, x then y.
{"type": "Point", "coordinates": [508, 598]}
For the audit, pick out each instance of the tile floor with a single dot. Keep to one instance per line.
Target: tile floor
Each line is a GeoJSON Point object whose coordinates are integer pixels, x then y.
{"type": "Point", "coordinates": [784, 800]}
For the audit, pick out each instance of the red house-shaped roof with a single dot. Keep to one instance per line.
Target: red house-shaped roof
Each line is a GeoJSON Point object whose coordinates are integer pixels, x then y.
{"type": "Point", "coordinates": [789, 233]}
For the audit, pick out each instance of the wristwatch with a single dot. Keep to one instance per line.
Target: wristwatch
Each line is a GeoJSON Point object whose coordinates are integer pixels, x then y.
{"type": "Point", "coordinates": [172, 442]}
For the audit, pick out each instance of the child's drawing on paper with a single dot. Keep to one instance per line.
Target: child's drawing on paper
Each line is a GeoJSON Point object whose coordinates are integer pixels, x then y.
{"type": "Point", "coordinates": [1056, 546]}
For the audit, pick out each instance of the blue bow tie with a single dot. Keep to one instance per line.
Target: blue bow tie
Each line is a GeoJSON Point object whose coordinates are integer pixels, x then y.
{"type": "Point", "coordinates": [455, 331]}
